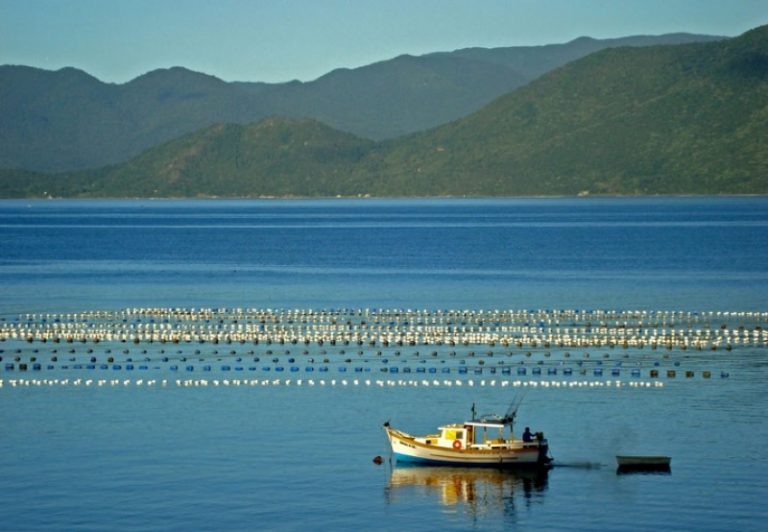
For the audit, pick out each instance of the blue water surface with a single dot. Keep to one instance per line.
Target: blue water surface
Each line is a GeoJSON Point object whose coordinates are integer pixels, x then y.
{"type": "Point", "coordinates": [293, 457]}
{"type": "Point", "coordinates": [681, 253]}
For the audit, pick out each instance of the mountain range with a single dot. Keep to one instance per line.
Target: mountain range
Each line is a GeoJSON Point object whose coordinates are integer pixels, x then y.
{"type": "Point", "coordinates": [666, 119]}
{"type": "Point", "coordinates": [68, 120]}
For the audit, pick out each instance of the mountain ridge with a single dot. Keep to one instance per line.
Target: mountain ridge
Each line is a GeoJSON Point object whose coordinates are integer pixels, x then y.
{"type": "Point", "coordinates": [687, 119]}
{"type": "Point", "coordinates": [68, 120]}
{"type": "Point", "coordinates": [636, 129]}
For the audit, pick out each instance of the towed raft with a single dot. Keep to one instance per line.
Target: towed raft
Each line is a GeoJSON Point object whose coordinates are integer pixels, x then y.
{"type": "Point", "coordinates": [486, 442]}
{"type": "Point", "coordinates": [628, 464]}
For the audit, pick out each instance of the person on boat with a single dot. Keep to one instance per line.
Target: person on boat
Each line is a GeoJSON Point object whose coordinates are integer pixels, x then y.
{"type": "Point", "coordinates": [527, 435]}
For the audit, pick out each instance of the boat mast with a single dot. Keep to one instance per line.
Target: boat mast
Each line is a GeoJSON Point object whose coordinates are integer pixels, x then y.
{"type": "Point", "coordinates": [511, 414]}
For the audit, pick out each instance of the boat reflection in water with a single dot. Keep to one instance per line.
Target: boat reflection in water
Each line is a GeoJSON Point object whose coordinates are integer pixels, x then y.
{"type": "Point", "coordinates": [481, 490]}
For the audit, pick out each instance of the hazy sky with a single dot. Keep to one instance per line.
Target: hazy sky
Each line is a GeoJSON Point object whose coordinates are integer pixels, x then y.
{"type": "Point", "coordinates": [280, 40]}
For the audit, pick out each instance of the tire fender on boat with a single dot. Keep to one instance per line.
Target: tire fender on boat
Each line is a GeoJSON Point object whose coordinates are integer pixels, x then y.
{"type": "Point", "coordinates": [457, 444]}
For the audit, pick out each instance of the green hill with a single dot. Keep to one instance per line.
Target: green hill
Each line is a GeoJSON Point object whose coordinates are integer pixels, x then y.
{"type": "Point", "coordinates": [68, 120]}
{"type": "Point", "coordinates": [667, 119]}
{"type": "Point", "coordinates": [687, 119]}
{"type": "Point", "coordinates": [274, 157]}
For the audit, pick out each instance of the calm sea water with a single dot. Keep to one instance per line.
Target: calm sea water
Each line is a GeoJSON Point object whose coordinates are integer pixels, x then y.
{"type": "Point", "coordinates": [292, 457]}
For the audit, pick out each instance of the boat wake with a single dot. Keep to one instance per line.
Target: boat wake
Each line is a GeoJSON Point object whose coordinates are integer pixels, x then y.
{"type": "Point", "coordinates": [577, 465]}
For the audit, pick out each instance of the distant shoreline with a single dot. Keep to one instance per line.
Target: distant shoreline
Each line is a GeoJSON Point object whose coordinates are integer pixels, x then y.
{"type": "Point", "coordinates": [381, 198]}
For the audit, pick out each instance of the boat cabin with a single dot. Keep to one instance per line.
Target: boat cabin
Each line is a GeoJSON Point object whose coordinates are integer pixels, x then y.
{"type": "Point", "coordinates": [486, 434]}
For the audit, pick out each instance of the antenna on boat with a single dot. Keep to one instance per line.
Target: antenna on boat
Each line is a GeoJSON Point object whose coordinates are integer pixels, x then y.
{"type": "Point", "coordinates": [511, 413]}
{"type": "Point", "coordinates": [473, 411]}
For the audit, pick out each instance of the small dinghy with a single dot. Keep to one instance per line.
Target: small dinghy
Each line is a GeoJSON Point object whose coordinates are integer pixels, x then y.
{"type": "Point", "coordinates": [643, 463]}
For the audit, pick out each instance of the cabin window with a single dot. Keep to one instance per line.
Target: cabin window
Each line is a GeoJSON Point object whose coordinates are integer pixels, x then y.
{"type": "Point", "coordinates": [459, 434]}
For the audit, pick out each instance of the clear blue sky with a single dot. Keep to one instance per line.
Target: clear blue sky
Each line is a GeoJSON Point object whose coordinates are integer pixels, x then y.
{"type": "Point", "coordinates": [280, 40]}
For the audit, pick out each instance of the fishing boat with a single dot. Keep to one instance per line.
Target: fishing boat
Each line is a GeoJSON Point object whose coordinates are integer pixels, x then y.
{"type": "Point", "coordinates": [487, 441]}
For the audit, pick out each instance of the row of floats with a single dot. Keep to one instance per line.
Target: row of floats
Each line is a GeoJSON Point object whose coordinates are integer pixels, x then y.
{"type": "Point", "coordinates": [656, 372]}
{"type": "Point", "coordinates": [680, 341]}
{"type": "Point", "coordinates": [422, 316]}
{"type": "Point", "coordinates": [400, 327]}
{"type": "Point", "coordinates": [380, 383]}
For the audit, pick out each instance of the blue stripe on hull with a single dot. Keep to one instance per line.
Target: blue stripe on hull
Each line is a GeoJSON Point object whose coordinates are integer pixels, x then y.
{"type": "Point", "coordinates": [404, 458]}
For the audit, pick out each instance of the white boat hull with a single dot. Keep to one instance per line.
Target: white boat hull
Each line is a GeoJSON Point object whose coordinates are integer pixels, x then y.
{"type": "Point", "coordinates": [407, 449]}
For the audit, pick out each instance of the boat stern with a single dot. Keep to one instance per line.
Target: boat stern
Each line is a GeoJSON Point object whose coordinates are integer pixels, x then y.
{"type": "Point", "coordinates": [544, 459]}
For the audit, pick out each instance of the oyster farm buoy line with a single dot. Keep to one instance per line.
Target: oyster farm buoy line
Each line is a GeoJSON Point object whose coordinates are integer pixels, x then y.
{"type": "Point", "coordinates": [383, 348]}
